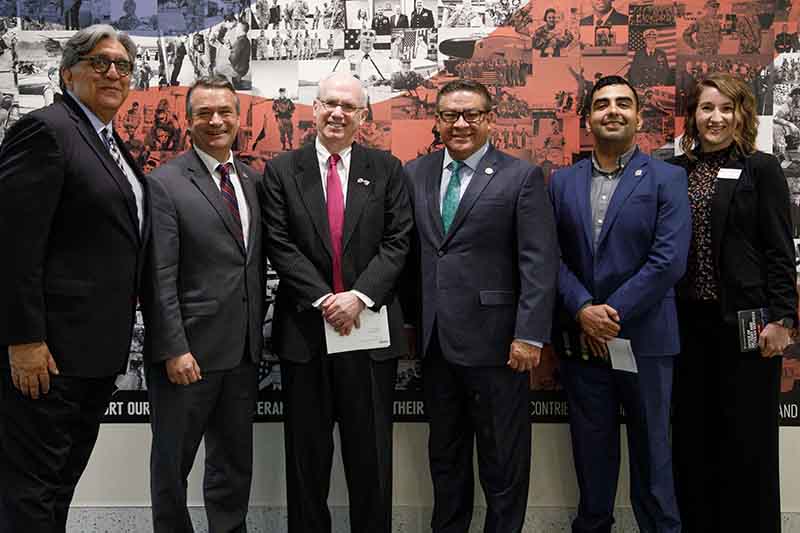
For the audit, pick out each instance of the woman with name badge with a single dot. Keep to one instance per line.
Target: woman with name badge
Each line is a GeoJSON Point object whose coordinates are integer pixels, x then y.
{"type": "Point", "coordinates": [737, 306]}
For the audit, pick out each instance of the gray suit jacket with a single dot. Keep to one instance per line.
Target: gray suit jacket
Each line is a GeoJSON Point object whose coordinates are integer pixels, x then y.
{"type": "Point", "coordinates": [205, 292]}
{"type": "Point", "coordinates": [492, 277]}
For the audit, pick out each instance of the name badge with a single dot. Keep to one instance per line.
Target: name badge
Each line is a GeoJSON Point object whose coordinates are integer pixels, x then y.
{"type": "Point", "coordinates": [729, 173]}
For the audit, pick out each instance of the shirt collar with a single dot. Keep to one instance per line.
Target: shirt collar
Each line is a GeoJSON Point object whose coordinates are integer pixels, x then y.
{"type": "Point", "coordinates": [472, 161]}
{"type": "Point", "coordinates": [323, 154]}
{"type": "Point", "coordinates": [623, 160]}
{"type": "Point", "coordinates": [97, 124]}
{"type": "Point", "coordinates": [210, 161]}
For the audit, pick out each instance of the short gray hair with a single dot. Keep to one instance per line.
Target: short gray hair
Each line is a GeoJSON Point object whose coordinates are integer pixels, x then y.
{"type": "Point", "coordinates": [84, 42]}
{"type": "Point", "coordinates": [210, 82]}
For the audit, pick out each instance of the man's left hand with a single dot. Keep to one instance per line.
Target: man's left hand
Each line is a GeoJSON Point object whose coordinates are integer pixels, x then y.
{"type": "Point", "coordinates": [524, 357]}
{"type": "Point", "coordinates": [342, 311]}
{"type": "Point", "coordinates": [774, 339]}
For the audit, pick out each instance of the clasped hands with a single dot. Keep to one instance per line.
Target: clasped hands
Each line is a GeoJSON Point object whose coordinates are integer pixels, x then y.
{"type": "Point", "coordinates": [600, 324]}
{"type": "Point", "coordinates": [342, 311]}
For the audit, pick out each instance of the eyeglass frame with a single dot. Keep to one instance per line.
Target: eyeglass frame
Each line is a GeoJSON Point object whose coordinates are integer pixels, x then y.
{"type": "Point", "coordinates": [331, 107]}
{"type": "Point", "coordinates": [460, 114]}
{"type": "Point", "coordinates": [116, 62]}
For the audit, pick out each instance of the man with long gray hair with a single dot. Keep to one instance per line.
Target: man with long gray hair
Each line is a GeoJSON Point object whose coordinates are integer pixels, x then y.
{"type": "Point", "coordinates": [74, 224]}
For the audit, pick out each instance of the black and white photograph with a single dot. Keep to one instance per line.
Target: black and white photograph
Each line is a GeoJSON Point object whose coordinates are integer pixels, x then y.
{"type": "Point", "coordinates": [181, 16]}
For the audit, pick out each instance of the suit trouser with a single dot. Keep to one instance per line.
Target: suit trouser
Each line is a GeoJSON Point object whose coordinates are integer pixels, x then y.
{"type": "Point", "coordinates": [45, 445]}
{"type": "Point", "coordinates": [595, 393]}
{"type": "Point", "coordinates": [356, 392]}
{"type": "Point", "coordinates": [725, 429]}
{"type": "Point", "coordinates": [490, 405]}
{"type": "Point", "coordinates": [219, 407]}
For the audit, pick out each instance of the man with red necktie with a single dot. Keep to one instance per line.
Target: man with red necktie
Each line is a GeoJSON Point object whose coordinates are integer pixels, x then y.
{"type": "Point", "coordinates": [203, 315]}
{"type": "Point", "coordinates": [337, 224]}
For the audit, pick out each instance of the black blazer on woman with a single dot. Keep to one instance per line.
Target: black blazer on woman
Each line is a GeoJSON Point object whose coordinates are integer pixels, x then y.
{"type": "Point", "coordinates": [751, 236]}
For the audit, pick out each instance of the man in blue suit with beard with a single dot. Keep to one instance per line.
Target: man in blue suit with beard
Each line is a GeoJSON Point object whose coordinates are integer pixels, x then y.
{"type": "Point", "coordinates": [624, 225]}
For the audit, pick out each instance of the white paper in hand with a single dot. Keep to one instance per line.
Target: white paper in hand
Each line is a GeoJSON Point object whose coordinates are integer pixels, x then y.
{"type": "Point", "coordinates": [373, 333]}
{"type": "Point", "coordinates": [622, 355]}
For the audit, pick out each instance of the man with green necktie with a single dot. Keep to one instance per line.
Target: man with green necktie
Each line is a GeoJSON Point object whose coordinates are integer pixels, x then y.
{"type": "Point", "coordinates": [487, 267]}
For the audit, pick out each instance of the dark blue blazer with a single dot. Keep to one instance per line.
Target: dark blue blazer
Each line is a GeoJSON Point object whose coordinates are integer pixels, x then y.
{"type": "Point", "coordinates": [640, 255]}
{"type": "Point", "coordinates": [491, 278]}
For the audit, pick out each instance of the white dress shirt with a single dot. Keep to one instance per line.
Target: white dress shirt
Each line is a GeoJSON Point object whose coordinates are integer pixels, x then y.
{"type": "Point", "coordinates": [130, 175]}
{"type": "Point", "coordinates": [343, 168]}
{"type": "Point", "coordinates": [211, 164]}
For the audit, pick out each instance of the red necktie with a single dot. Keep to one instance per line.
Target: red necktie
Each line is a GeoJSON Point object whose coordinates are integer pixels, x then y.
{"type": "Point", "coordinates": [336, 220]}
{"type": "Point", "coordinates": [228, 194]}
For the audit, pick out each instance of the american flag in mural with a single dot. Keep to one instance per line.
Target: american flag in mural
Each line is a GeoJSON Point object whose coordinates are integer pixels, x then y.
{"type": "Point", "coordinates": [666, 41]}
{"type": "Point", "coordinates": [408, 46]}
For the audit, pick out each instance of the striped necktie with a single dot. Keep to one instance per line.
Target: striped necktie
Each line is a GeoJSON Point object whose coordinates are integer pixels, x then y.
{"type": "Point", "coordinates": [229, 194]}
{"type": "Point", "coordinates": [111, 144]}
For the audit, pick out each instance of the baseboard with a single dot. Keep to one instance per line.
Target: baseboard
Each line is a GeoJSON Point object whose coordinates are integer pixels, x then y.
{"type": "Point", "coordinates": [405, 519]}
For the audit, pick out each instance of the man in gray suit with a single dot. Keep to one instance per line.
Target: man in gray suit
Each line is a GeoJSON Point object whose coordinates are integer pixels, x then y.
{"type": "Point", "coordinates": [203, 317]}
{"type": "Point", "coordinates": [488, 259]}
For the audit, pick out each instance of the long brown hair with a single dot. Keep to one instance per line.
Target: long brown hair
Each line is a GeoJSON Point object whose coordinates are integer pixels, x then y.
{"type": "Point", "coordinates": [745, 127]}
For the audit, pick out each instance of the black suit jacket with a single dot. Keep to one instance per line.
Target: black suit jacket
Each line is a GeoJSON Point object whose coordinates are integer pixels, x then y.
{"type": "Point", "coordinates": [375, 242]}
{"type": "Point", "coordinates": [751, 238]}
{"type": "Point", "coordinates": [492, 277]}
{"type": "Point", "coordinates": [71, 240]}
{"type": "Point", "coordinates": [422, 19]}
{"type": "Point", "coordinates": [399, 21]}
{"type": "Point", "coordinates": [205, 292]}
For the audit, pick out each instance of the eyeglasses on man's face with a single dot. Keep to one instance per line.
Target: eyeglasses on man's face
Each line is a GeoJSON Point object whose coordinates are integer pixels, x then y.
{"type": "Point", "coordinates": [101, 64]}
{"type": "Point", "coordinates": [331, 105]}
{"type": "Point", "coordinates": [471, 116]}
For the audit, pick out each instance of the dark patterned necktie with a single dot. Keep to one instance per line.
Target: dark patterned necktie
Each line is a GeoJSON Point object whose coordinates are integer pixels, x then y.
{"type": "Point", "coordinates": [111, 144]}
{"type": "Point", "coordinates": [229, 194]}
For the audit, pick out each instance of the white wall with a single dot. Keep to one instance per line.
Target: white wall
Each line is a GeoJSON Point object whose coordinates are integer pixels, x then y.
{"type": "Point", "coordinates": [118, 474]}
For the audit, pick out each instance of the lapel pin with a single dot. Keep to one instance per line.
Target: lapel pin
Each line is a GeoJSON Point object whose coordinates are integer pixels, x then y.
{"type": "Point", "coordinates": [362, 181]}
{"type": "Point", "coordinates": [489, 171]}
{"type": "Point", "coordinates": [638, 172]}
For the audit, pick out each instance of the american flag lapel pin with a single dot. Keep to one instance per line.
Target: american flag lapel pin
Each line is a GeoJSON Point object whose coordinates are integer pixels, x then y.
{"type": "Point", "coordinates": [363, 182]}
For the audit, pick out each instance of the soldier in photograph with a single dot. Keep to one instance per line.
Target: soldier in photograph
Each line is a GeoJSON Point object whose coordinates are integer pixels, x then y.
{"type": "Point", "coordinates": [704, 35]}
{"type": "Point", "coordinates": [283, 108]}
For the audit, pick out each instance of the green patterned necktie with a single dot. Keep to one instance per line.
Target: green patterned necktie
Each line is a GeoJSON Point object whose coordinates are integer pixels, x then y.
{"type": "Point", "coordinates": [452, 195]}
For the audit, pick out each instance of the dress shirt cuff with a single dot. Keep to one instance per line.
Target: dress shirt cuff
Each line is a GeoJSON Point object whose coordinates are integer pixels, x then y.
{"type": "Point", "coordinates": [364, 298]}
{"type": "Point", "coordinates": [321, 299]}
{"type": "Point", "coordinates": [532, 343]}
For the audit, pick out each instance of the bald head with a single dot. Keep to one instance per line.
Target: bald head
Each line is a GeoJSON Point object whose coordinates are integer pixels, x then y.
{"type": "Point", "coordinates": [342, 81]}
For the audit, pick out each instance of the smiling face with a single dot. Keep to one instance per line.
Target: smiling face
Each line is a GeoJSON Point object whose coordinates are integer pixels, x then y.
{"type": "Point", "coordinates": [335, 127]}
{"type": "Point", "coordinates": [614, 117]}
{"type": "Point", "coordinates": [214, 122]}
{"type": "Point", "coordinates": [550, 19]}
{"type": "Point", "coordinates": [462, 138]}
{"type": "Point", "coordinates": [102, 93]}
{"type": "Point", "coordinates": [716, 120]}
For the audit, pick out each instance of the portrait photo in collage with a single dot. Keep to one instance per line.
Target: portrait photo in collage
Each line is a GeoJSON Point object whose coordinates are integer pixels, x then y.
{"type": "Point", "coordinates": [539, 60]}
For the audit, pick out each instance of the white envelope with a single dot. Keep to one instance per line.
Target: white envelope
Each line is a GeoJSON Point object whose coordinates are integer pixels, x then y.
{"type": "Point", "coordinates": [373, 333]}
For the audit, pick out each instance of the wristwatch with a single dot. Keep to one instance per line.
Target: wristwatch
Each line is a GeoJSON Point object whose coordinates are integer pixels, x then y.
{"type": "Point", "coordinates": [787, 322]}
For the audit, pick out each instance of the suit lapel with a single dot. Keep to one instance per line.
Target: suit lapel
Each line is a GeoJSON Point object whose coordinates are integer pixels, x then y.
{"type": "Point", "coordinates": [433, 184]}
{"type": "Point", "coordinates": [251, 196]}
{"type": "Point", "coordinates": [634, 171]}
{"type": "Point", "coordinates": [583, 198]}
{"type": "Point", "coordinates": [96, 144]}
{"type": "Point", "coordinates": [309, 184]}
{"type": "Point", "coordinates": [358, 192]}
{"type": "Point", "coordinates": [480, 179]}
{"type": "Point", "coordinates": [199, 175]}
{"type": "Point", "coordinates": [724, 190]}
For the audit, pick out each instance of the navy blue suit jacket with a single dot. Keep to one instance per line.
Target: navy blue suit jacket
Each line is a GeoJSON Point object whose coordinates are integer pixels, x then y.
{"type": "Point", "coordinates": [640, 255]}
{"type": "Point", "coordinates": [492, 277]}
